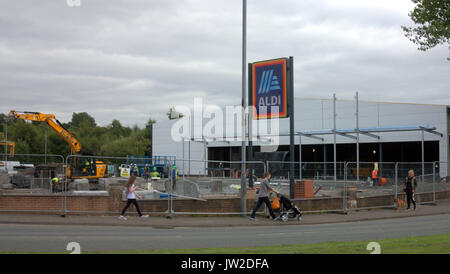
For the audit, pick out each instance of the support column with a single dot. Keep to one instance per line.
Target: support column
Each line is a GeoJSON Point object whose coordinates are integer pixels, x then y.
{"type": "Point", "coordinates": [334, 136]}
{"type": "Point", "coordinates": [300, 158]}
{"type": "Point", "coordinates": [423, 156]}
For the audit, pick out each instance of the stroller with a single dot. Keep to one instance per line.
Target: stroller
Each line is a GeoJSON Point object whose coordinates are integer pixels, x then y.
{"type": "Point", "coordinates": [288, 210]}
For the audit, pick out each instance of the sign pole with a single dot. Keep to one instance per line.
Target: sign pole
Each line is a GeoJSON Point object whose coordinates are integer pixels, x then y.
{"type": "Point", "coordinates": [291, 125]}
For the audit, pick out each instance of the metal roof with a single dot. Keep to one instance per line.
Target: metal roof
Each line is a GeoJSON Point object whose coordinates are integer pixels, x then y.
{"type": "Point", "coordinates": [368, 131]}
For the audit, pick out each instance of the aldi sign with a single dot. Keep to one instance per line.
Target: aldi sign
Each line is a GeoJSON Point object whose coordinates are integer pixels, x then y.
{"type": "Point", "coordinates": [269, 89]}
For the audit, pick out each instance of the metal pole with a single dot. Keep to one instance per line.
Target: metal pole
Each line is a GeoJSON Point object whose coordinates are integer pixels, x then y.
{"type": "Point", "coordinates": [334, 135]}
{"type": "Point", "coordinates": [189, 156]}
{"type": "Point", "coordinates": [300, 157]}
{"type": "Point", "coordinates": [243, 147]}
{"type": "Point", "coordinates": [396, 179]}
{"type": "Point", "coordinates": [45, 144]}
{"type": "Point", "coordinates": [6, 147]}
{"type": "Point", "coordinates": [434, 181]}
{"type": "Point", "coordinates": [324, 161]}
{"type": "Point", "coordinates": [357, 136]}
{"type": "Point", "coordinates": [423, 156]}
{"type": "Point", "coordinates": [344, 191]}
{"type": "Point", "coordinates": [183, 157]}
{"type": "Point", "coordinates": [231, 158]}
{"type": "Point", "coordinates": [205, 156]}
{"type": "Point", "coordinates": [250, 127]}
{"type": "Point", "coordinates": [291, 126]}
{"type": "Point", "coordinates": [380, 159]}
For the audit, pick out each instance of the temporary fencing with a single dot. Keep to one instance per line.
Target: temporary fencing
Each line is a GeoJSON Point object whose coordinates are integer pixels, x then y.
{"type": "Point", "coordinates": [27, 178]}
{"type": "Point", "coordinates": [95, 184]}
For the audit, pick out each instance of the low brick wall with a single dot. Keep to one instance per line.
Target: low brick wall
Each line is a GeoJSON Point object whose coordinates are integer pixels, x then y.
{"type": "Point", "coordinates": [113, 203]}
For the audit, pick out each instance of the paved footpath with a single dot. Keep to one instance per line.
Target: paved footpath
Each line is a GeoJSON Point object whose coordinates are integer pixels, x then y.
{"type": "Point", "coordinates": [442, 207]}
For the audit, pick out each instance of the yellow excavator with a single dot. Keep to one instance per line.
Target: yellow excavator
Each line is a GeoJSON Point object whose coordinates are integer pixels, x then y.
{"type": "Point", "coordinates": [82, 167]}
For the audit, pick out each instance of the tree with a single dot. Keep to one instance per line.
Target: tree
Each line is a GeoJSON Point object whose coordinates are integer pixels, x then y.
{"type": "Point", "coordinates": [432, 19]}
{"type": "Point", "coordinates": [82, 117]}
{"type": "Point", "coordinates": [111, 140]}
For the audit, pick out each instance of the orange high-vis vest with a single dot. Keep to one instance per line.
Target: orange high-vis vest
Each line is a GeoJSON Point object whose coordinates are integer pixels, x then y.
{"type": "Point", "coordinates": [374, 174]}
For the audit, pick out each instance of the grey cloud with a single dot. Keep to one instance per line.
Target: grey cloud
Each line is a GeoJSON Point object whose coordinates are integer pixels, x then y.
{"type": "Point", "coordinates": [132, 60]}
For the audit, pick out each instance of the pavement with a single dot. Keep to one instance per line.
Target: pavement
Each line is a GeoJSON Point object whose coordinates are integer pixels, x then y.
{"type": "Point", "coordinates": [181, 221]}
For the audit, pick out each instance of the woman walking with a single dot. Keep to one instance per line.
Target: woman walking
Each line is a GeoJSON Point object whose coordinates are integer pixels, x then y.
{"type": "Point", "coordinates": [410, 185]}
{"type": "Point", "coordinates": [131, 196]}
{"type": "Point", "coordinates": [263, 197]}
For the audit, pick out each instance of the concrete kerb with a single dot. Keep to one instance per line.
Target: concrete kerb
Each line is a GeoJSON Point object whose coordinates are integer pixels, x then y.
{"type": "Point", "coordinates": [182, 222]}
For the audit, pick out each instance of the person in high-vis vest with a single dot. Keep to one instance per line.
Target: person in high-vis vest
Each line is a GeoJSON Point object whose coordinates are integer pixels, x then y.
{"type": "Point", "coordinates": [155, 174]}
{"type": "Point", "coordinates": [374, 176]}
{"type": "Point", "coordinates": [54, 184]}
{"type": "Point", "coordinates": [174, 177]}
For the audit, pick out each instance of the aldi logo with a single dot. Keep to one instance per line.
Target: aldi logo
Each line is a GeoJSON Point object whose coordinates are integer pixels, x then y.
{"type": "Point", "coordinates": [268, 82]}
{"type": "Point", "coordinates": [269, 89]}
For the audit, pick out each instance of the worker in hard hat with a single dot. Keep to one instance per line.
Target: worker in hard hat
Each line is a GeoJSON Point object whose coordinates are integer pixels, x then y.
{"type": "Point", "coordinates": [154, 174]}
{"type": "Point", "coordinates": [174, 177]}
{"type": "Point", "coordinates": [146, 172]}
{"type": "Point", "coordinates": [54, 184]}
{"type": "Point", "coordinates": [374, 176]}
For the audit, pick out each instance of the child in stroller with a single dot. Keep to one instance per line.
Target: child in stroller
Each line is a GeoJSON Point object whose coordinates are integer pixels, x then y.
{"type": "Point", "coordinates": [288, 210]}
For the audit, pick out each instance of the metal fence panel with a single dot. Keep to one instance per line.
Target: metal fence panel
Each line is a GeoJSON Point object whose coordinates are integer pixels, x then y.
{"type": "Point", "coordinates": [30, 175]}
{"type": "Point", "coordinates": [103, 174]}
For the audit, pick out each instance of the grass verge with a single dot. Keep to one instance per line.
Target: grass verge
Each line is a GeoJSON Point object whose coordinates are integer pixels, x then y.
{"type": "Point", "coordinates": [435, 244]}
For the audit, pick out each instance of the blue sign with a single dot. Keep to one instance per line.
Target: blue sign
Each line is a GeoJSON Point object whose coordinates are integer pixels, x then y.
{"type": "Point", "coordinates": [269, 89]}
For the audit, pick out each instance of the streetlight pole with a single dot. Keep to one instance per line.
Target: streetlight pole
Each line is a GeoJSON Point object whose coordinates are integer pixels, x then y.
{"type": "Point", "coordinates": [243, 148]}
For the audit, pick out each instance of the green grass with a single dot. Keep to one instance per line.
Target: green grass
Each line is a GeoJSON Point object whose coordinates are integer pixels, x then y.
{"type": "Point", "coordinates": [436, 244]}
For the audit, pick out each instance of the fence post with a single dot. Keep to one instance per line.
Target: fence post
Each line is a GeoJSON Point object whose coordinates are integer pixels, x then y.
{"type": "Point", "coordinates": [170, 192]}
{"type": "Point", "coordinates": [396, 180]}
{"type": "Point", "coordinates": [344, 192]}
{"type": "Point", "coordinates": [64, 187]}
{"type": "Point", "coordinates": [434, 182]}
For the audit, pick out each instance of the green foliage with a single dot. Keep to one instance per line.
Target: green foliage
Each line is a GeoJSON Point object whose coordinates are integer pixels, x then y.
{"type": "Point", "coordinates": [110, 140]}
{"type": "Point", "coordinates": [82, 119]}
{"type": "Point", "coordinates": [432, 18]}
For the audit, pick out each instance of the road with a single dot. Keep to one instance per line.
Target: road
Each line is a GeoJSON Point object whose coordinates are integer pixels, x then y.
{"type": "Point", "coordinates": [54, 238]}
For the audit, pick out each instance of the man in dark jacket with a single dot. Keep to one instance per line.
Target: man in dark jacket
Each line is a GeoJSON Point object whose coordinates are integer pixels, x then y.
{"type": "Point", "coordinates": [263, 196]}
{"type": "Point", "coordinates": [410, 188]}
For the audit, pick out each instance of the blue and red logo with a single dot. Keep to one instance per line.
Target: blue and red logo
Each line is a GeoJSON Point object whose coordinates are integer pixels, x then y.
{"type": "Point", "coordinates": [269, 92]}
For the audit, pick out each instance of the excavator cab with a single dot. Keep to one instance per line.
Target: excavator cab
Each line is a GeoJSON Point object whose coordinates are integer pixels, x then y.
{"type": "Point", "coordinates": [86, 168]}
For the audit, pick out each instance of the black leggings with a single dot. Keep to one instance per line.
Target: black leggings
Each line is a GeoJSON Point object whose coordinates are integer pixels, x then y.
{"type": "Point", "coordinates": [129, 202]}
{"type": "Point", "coordinates": [409, 198]}
{"type": "Point", "coordinates": [259, 203]}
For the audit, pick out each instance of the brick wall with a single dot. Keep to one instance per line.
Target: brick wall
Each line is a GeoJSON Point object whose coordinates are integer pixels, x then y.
{"type": "Point", "coordinates": [113, 203]}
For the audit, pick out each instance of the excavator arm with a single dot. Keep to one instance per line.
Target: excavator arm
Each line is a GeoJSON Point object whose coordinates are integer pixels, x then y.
{"type": "Point", "coordinates": [51, 121]}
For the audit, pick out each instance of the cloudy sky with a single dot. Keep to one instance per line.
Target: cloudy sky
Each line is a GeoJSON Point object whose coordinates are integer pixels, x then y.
{"type": "Point", "coordinates": [133, 59]}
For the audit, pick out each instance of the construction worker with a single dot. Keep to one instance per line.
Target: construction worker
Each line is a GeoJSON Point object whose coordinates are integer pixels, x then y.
{"type": "Point", "coordinates": [174, 177]}
{"type": "Point", "coordinates": [146, 169]}
{"type": "Point", "coordinates": [374, 176]}
{"type": "Point", "coordinates": [154, 174]}
{"type": "Point", "coordinates": [87, 166]}
{"type": "Point", "coordinates": [54, 184]}
{"type": "Point", "coordinates": [132, 170]}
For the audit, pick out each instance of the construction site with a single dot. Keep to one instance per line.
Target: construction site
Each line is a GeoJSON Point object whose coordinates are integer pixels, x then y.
{"type": "Point", "coordinates": [333, 166]}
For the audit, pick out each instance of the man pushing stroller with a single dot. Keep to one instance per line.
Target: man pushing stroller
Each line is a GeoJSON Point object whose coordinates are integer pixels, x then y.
{"type": "Point", "coordinates": [263, 197]}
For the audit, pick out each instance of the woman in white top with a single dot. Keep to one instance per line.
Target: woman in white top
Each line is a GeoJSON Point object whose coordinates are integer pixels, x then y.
{"type": "Point", "coordinates": [131, 196]}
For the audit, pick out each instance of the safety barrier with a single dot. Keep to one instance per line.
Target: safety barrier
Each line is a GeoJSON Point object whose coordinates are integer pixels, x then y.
{"type": "Point", "coordinates": [29, 187]}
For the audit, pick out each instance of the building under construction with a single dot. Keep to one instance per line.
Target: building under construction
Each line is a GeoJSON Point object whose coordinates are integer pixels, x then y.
{"type": "Point", "coordinates": [326, 130]}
